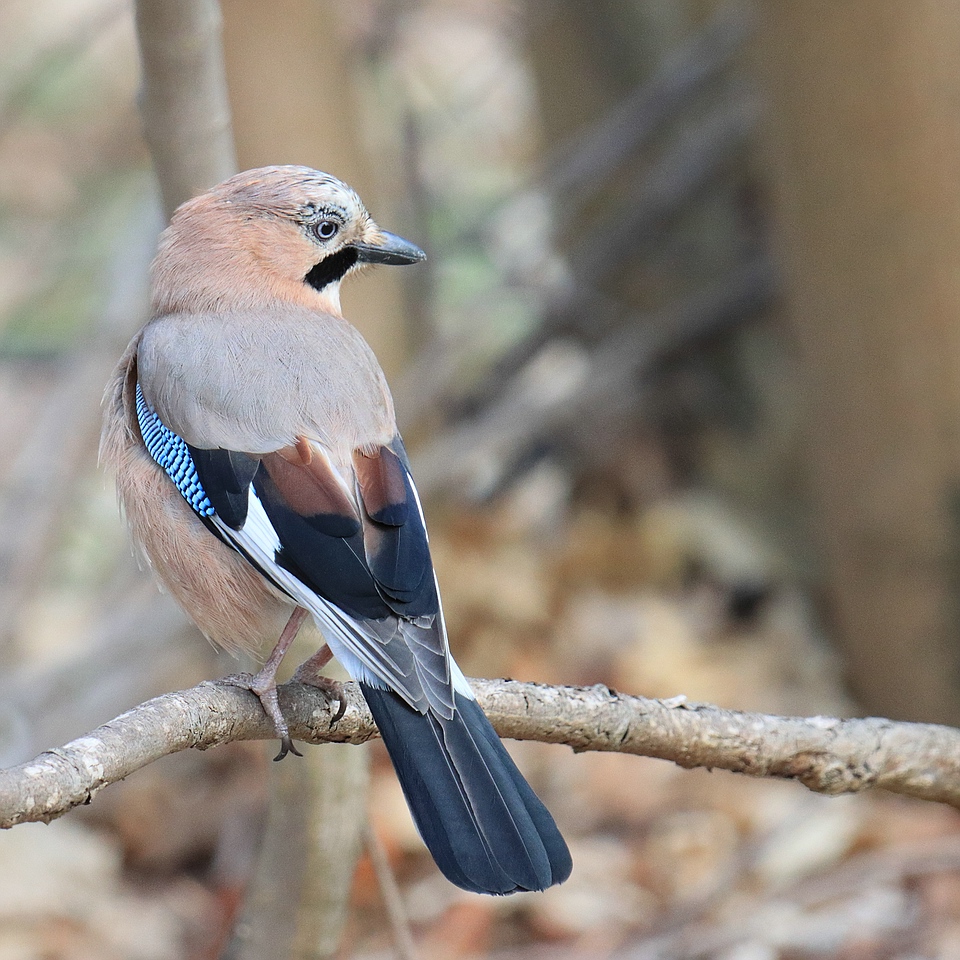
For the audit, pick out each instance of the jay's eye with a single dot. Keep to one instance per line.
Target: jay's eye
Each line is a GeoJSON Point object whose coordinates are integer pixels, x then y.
{"type": "Point", "coordinates": [326, 229]}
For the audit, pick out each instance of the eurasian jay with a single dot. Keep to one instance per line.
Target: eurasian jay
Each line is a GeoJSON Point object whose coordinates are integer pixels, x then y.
{"type": "Point", "coordinates": [257, 458]}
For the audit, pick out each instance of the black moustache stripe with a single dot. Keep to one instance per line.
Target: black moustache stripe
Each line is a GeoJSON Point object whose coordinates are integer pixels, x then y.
{"type": "Point", "coordinates": [331, 269]}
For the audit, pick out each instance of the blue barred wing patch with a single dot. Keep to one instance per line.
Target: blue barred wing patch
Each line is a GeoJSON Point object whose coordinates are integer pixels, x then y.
{"type": "Point", "coordinates": [171, 453]}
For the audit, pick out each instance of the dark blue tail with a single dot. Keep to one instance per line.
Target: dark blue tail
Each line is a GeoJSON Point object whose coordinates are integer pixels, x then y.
{"type": "Point", "coordinates": [487, 830]}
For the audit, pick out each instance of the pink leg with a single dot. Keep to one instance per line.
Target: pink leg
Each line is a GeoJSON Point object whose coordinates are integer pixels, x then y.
{"type": "Point", "coordinates": [264, 683]}
{"type": "Point", "coordinates": [309, 672]}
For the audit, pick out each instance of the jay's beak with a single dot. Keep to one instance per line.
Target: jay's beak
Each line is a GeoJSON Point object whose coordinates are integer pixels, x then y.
{"type": "Point", "coordinates": [392, 249]}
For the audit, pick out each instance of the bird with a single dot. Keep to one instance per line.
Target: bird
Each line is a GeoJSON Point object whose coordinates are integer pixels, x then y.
{"type": "Point", "coordinates": [254, 442]}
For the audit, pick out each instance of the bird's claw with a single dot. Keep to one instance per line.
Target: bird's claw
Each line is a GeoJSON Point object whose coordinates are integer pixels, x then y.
{"type": "Point", "coordinates": [330, 688]}
{"type": "Point", "coordinates": [286, 746]}
{"type": "Point", "coordinates": [265, 690]}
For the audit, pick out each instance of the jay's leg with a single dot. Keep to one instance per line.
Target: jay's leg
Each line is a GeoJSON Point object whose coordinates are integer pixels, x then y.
{"type": "Point", "coordinates": [264, 683]}
{"type": "Point", "coordinates": [309, 672]}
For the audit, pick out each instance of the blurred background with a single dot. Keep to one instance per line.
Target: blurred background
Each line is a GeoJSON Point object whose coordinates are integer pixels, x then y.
{"type": "Point", "coordinates": [680, 383]}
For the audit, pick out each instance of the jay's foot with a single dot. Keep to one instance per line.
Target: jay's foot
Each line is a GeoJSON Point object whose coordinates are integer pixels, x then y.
{"type": "Point", "coordinates": [264, 683]}
{"type": "Point", "coordinates": [309, 672]}
{"type": "Point", "coordinates": [265, 689]}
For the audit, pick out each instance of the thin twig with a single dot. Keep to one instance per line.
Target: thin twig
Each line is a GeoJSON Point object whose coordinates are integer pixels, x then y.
{"type": "Point", "coordinates": [392, 898]}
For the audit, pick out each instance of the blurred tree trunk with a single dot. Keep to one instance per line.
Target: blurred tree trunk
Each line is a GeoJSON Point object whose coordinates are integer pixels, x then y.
{"type": "Point", "coordinates": [291, 74]}
{"type": "Point", "coordinates": [862, 136]}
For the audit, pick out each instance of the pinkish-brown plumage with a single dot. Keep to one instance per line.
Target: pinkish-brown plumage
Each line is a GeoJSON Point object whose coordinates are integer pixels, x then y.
{"type": "Point", "coordinates": [231, 603]}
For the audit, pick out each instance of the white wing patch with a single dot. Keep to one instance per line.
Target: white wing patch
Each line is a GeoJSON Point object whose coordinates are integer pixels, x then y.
{"type": "Point", "coordinates": [257, 528]}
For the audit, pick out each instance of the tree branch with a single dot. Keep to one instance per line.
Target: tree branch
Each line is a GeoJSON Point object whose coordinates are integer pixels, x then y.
{"type": "Point", "coordinates": [826, 754]}
{"type": "Point", "coordinates": [184, 103]}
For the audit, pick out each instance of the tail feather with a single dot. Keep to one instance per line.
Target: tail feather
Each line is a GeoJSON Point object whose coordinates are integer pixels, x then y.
{"type": "Point", "coordinates": [498, 795]}
{"type": "Point", "coordinates": [484, 826]}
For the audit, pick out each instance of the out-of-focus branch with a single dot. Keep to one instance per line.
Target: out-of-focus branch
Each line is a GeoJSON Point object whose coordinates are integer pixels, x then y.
{"type": "Point", "coordinates": [684, 75]}
{"type": "Point", "coordinates": [38, 490]}
{"type": "Point", "coordinates": [826, 754]}
{"type": "Point", "coordinates": [21, 87]}
{"type": "Point", "coordinates": [574, 385]}
{"type": "Point", "coordinates": [186, 112]}
{"type": "Point", "coordinates": [392, 898]}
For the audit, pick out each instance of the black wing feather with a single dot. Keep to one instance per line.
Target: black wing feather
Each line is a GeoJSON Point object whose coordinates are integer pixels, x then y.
{"type": "Point", "coordinates": [400, 562]}
{"type": "Point", "coordinates": [398, 551]}
{"type": "Point", "coordinates": [226, 477]}
{"type": "Point", "coordinates": [333, 566]}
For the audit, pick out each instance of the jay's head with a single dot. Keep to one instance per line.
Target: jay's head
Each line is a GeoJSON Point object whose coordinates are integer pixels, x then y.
{"type": "Point", "coordinates": [284, 232]}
